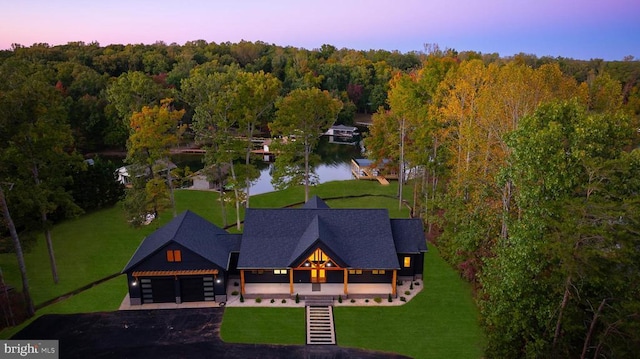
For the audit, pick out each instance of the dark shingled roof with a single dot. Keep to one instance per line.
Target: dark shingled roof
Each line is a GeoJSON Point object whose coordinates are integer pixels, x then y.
{"type": "Point", "coordinates": [408, 235]}
{"type": "Point", "coordinates": [361, 238]}
{"type": "Point", "coordinates": [194, 233]}
{"type": "Point", "coordinates": [315, 203]}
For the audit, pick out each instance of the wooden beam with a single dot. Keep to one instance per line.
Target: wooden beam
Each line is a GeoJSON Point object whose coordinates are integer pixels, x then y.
{"type": "Point", "coordinates": [346, 281]}
{"type": "Point", "coordinates": [291, 281]}
{"type": "Point", "coordinates": [394, 286]}
{"type": "Point", "coordinates": [242, 281]}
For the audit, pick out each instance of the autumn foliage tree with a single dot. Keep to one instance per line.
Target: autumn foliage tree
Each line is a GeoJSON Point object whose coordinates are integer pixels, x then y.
{"type": "Point", "coordinates": [154, 131]}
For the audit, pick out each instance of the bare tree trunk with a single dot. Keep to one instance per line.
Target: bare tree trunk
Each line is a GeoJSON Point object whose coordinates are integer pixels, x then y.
{"type": "Point", "coordinates": [563, 304]}
{"type": "Point", "coordinates": [506, 208]}
{"type": "Point", "coordinates": [19, 255]}
{"type": "Point", "coordinates": [307, 149]}
{"type": "Point", "coordinates": [222, 205]}
{"type": "Point", "coordinates": [170, 180]}
{"type": "Point", "coordinates": [235, 191]}
{"type": "Point", "coordinates": [247, 162]}
{"type": "Point", "coordinates": [590, 332]}
{"type": "Point", "coordinates": [47, 232]}
{"type": "Point", "coordinates": [401, 174]}
{"type": "Point", "coordinates": [52, 257]}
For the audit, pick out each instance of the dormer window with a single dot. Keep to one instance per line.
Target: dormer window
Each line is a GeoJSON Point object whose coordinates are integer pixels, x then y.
{"type": "Point", "coordinates": [174, 255]}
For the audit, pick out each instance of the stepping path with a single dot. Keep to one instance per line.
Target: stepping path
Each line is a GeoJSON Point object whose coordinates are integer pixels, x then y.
{"type": "Point", "coordinates": [320, 328]}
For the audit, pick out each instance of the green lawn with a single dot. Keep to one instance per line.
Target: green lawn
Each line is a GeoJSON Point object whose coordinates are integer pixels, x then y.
{"type": "Point", "coordinates": [440, 322]}
{"type": "Point", "coordinates": [263, 325]}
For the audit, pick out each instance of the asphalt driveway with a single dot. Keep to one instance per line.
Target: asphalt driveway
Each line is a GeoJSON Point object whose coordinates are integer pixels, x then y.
{"type": "Point", "coordinates": [183, 333]}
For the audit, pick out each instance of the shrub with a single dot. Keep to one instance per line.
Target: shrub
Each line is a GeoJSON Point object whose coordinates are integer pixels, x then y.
{"type": "Point", "coordinates": [407, 292]}
{"type": "Point", "coordinates": [389, 298]}
{"type": "Point", "coordinates": [366, 300]}
{"type": "Point", "coordinates": [273, 300]}
{"type": "Point", "coordinates": [258, 300]}
{"type": "Point", "coordinates": [377, 300]}
{"type": "Point", "coordinates": [241, 298]}
{"type": "Point", "coordinates": [411, 286]}
{"type": "Point", "coordinates": [235, 292]}
{"type": "Point", "coordinates": [297, 298]}
{"type": "Point", "coordinates": [284, 301]}
{"type": "Point", "coordinates": [235, 284]}
{"type": "Point", "coordinates": [417, 283]}
{"type": "Point", "coordinates": [403, 299]}
{"type": "Point", "coordinates": [353, 300]}
{"type": "Point", "coordinates": [339, 299]}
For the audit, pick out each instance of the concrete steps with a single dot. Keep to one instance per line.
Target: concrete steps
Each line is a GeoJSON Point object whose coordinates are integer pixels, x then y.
{"type": "Point", "coordinates": [320, 328]}
{"type": "Point", "coordinates": [318, 301]}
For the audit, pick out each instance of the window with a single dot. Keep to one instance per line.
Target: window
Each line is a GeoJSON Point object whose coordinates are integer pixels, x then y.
{"type": "Point", "coordinates": [407, 262]}
{"type": "Point", "coordinates": [279, 271]}
{"type": "Point", "coordinates": [355, 271]}
{"type": "Point", "coordinates": [378, 271]}
{"type": "Point", "coordinates": [174, 255]}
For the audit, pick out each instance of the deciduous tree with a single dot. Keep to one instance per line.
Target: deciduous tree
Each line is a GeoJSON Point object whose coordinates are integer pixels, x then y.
{"type": "Point", "coordinates": [301, 117]}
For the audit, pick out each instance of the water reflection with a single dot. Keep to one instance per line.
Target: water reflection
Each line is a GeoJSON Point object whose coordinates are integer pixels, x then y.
{"type": "Point", "coordinates": [334, 164]}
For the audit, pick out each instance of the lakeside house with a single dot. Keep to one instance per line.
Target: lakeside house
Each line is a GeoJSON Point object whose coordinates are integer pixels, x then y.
{"type": "Point", "coordinates": [342, 131]}
{"type": "Point", "coordinates": [311, 250]}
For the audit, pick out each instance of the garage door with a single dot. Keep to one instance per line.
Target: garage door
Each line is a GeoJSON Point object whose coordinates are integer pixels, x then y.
{"type": "Point", "coordinates": [192, 289]}
{"type": "Point", "coordinates": [158, 290]}
{"type": "Point", "coordinates": [197, 289]}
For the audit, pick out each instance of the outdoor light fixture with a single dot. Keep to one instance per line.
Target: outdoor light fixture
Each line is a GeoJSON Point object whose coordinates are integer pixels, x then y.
{"type": "Point", "coordinates": [306, 264]}
{"type": "Point", "coordinates": [134, 283]}
{"type": "Point", "coordinates": [329, 264]}
{"type": "Point", "coordinates": [218, 281]}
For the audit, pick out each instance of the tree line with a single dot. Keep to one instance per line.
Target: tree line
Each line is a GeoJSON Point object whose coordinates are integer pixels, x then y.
{"type": "Point", "coordinates": [464, 118]}
{"type": "Point", "coordinates": [526, 177]}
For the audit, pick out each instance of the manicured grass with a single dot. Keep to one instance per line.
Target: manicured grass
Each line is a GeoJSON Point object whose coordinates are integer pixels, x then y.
{"type": "Point", "coordinates": [263, 325]}
{"type": "Point", "coordinates": [440, 322]}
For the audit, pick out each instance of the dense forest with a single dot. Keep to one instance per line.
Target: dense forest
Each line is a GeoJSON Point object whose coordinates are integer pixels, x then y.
{"type": "Point", "coordinates": [524, 169]}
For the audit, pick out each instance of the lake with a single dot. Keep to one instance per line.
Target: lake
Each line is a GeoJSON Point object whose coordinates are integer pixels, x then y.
{"type": "Point", "coordinates": [335, 164]}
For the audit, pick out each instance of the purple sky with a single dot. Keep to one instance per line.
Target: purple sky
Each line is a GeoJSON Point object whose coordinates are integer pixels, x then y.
{"type": "Point", "coordinates": [582, 29]}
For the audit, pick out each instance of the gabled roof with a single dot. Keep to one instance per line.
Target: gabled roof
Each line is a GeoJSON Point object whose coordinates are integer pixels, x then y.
{"type": "Point", "coordinates": [361, 238]}
{"type": "Point", "coordinates": [315, 202]}
{"type": "Point", "coordinates": [194, 233]}
{"type": "Point", "coordinates": [317, 233]}
{"type": "Point", "coordinates": [408, 234]}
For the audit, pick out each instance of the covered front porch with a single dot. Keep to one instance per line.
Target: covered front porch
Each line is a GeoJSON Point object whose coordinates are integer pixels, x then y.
{"type": "Point", "coordinates": [283, 290]}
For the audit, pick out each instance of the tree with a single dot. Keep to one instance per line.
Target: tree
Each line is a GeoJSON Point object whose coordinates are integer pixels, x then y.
{"type": "Point", "coordinates": [563, 271]}
{"type": "Point", "coordinates": [215, 97]}
{"type": "Point", "coordinates": [129, 93]}
{"type": "Point", "coordinates": [6, 215]}
{"type": "Point", "coordinates": [154, 131]}
{"type": "Point", "coordinates": [257, 93]}
{"type": "Point", "coordinates": [39, 154]}
{"type": "Point", "coordinates": [302, 116]}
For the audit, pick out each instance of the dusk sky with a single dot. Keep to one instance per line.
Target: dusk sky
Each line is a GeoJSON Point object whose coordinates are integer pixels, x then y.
{"type": "Point", "coordinates": [581, 29]}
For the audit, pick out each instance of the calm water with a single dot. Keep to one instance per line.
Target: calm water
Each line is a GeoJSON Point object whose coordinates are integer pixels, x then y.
{"type": "Point", "coordinates": [334, 166]}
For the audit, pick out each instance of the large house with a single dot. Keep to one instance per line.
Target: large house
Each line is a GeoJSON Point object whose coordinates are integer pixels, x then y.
{"type": "Point", "coordinates": [313, 249]}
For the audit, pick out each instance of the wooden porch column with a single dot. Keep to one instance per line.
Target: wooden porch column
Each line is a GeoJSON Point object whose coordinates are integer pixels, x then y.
{"type": "Point", "coordinates": [394, 286]}
{"type": "Point", "coordinates": [346, 282]}
{"type": "Point", "coordinates": [242, 282]}
{"type": "Point", "coordinates": [291, 281]}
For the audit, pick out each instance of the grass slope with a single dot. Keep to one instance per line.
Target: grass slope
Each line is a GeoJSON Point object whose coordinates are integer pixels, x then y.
{"type": "Point", "coordinates": [440, 322]}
